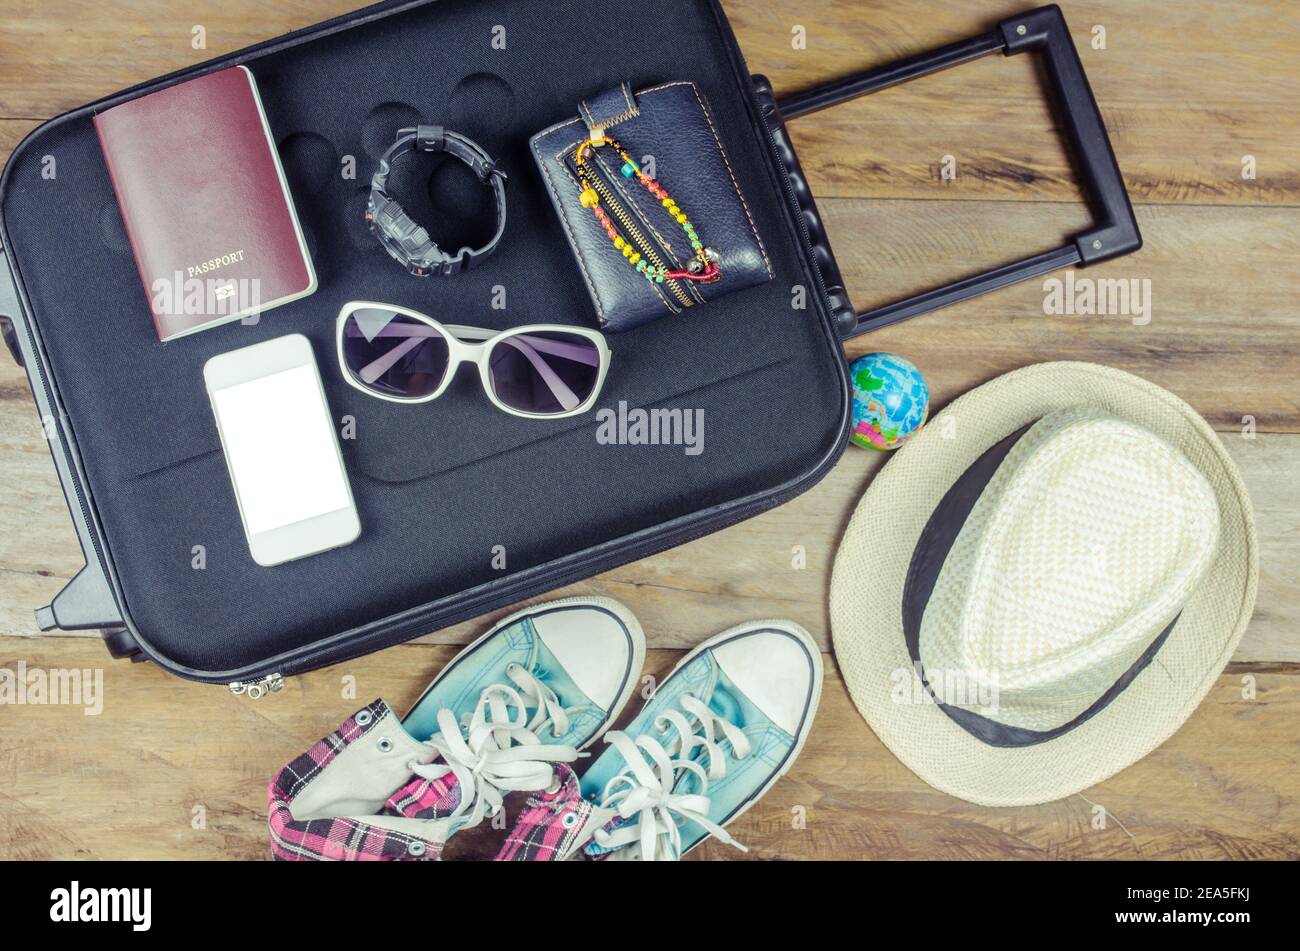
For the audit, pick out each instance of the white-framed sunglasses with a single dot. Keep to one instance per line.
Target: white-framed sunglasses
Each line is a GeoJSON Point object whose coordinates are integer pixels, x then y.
{"type": "Point", "coordinates": [541, 371]}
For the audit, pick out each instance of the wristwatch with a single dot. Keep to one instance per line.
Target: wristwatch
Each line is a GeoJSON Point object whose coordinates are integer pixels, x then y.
{"type": "Point", "coordinates": [406, 241]}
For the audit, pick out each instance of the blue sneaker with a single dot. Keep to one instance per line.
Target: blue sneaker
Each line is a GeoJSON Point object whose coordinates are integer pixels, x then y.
{"type": "Point", "coordinates": [721, 729]}
{"type": "Point", "coordinates": [540, 686]}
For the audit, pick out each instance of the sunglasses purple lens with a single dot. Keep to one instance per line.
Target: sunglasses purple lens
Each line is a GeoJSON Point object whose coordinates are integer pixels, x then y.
{"type": "Point", "coordinates": [393, 354]}
{"type": "Point", "coordinates": [544, 372]}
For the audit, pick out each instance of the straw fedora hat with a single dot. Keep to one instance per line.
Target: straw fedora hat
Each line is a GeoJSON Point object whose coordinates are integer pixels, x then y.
{"type": "Point", "coordinates": [1042, 585]}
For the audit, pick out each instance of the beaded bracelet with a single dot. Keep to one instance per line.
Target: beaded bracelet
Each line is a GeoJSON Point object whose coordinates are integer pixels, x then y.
{"type": "Point", "coordinates": [703, 267]}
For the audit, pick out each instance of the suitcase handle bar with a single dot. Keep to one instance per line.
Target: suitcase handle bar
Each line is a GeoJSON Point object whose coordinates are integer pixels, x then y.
{"type": "Point", "coordinates": [1114, 231]}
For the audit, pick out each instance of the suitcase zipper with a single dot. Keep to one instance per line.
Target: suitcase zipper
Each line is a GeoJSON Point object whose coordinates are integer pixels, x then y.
{"type": "Point", "coordinates": [796, 211]}
{"type": "Point", "coordinates": [257, 689]}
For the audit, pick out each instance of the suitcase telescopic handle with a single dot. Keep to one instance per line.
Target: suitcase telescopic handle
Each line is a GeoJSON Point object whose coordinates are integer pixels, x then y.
{"type": "Point", "coordinates": [1043, 30]}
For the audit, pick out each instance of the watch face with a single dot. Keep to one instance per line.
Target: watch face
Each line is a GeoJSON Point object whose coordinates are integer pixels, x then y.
{"type": "Point", "coordinates": [406, 242]}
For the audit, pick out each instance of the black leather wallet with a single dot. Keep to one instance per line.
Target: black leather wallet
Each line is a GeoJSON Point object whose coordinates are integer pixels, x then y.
{"type": "Point", "coordinates": [668, 133]}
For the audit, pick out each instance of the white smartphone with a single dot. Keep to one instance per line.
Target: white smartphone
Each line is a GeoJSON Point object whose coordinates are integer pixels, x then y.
{"type": "Point", "coordinates": [282, 450]}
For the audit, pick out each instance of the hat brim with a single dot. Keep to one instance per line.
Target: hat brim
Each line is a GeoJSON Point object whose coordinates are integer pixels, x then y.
{"type": "Point", "coordinates": [871, 566]}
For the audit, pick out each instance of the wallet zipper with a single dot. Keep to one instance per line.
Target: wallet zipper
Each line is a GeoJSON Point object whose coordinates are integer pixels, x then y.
{"type": "Point", "coordinates": [653, 253]}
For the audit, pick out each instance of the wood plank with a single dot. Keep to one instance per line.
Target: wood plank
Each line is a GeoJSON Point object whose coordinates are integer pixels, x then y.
{"type": "Point", "coordinates": [1220, 788]}
{"type": "Point", "coordinates": [688, 593]}
{"type": "Point", "coordinates": [77, 51]}
{"type": "Point", "coordinates": [1220, 334]}
{"type": "Point", "coordinates": [684, 595]}
{"type": "Point", "coordinates": [13, 131]}
{"type": "Point", "coordinates": [1182, 108]}
{"type": "Point", "coordinates": [1182, 114]}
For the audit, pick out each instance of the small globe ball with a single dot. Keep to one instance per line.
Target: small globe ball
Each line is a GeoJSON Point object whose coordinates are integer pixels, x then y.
{"type": "Point", "coordinates": [891, 401]}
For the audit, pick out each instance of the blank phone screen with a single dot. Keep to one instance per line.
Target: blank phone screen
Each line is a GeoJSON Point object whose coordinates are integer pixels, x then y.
{"type": "Point", "coordinates": [282, 451]}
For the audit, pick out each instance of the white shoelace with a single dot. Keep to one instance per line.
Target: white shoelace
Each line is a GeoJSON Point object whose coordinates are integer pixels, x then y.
{"type": "Point", "coordinates": [547, 706]}
{"type": "Point", "coordinates": [644, 791]}
{"type": "Point", "coordinates": [497, 749]}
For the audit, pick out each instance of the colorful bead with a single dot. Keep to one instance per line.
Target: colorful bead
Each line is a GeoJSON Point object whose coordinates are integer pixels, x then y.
{"type": "Point", "coordinates": [590, 198]}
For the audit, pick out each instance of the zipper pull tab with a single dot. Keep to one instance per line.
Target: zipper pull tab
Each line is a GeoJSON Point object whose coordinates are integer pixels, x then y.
{"type": "Point", "coordinates": [700, 271]}
{"type": "Point", "coordinates": [257, 689]}
{"type": "Point", "coordinates": [596, 140]}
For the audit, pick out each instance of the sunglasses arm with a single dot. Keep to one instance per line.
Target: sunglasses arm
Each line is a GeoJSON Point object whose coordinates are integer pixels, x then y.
{"type": "Point", "coordinates": [558, 348]}
{"type": "Point", "coordinates": [377, 368]}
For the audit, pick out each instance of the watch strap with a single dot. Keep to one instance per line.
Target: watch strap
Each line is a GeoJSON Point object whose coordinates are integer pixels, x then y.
{"type": "Point", "coordinates": [407, 241]}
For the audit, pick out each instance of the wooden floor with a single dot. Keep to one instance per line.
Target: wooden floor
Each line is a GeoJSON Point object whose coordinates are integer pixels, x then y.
{"type": "Point", "coordinates": [1192, 94]}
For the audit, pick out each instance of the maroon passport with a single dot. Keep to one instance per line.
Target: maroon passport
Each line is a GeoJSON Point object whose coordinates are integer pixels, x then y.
{"type": "Point", "coordinates": [205, 202]}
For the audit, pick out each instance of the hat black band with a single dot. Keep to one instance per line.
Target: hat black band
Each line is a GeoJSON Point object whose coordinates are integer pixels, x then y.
{"type": "Point", "coordinates": [932, 549]}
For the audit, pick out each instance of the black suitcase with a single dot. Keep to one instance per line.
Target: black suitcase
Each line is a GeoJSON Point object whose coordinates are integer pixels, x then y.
{"type": "Point", "coordinates": [445, 492]}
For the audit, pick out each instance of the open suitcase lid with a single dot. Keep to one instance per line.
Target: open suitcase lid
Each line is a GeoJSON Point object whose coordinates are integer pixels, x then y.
{"type": "Point", "coordinates": [443, 488]}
